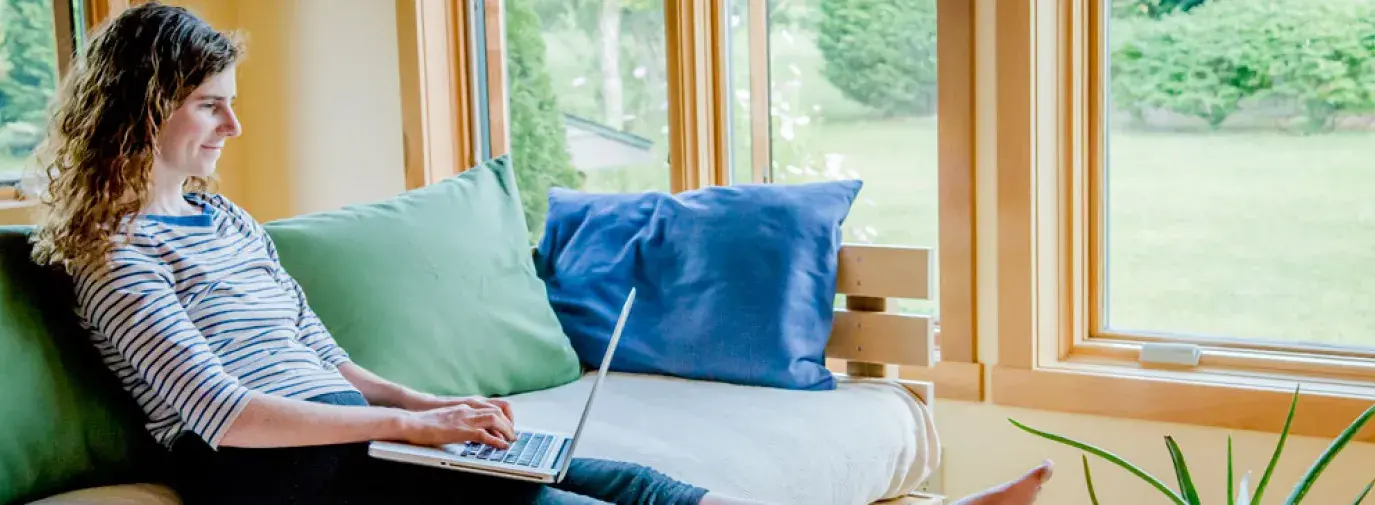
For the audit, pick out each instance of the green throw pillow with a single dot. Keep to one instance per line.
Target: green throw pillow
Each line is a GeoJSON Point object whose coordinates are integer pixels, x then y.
{"type": "Point", "coordinates": [435, 288]}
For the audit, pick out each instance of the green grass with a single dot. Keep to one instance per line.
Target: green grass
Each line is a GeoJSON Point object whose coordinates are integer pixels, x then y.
{"type": "Point", "coordinates": [10, 167]}
{"type": "Point", "coordinates": [1252, 235]}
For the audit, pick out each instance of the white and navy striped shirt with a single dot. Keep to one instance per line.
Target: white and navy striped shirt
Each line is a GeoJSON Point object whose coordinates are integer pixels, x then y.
{"type": "Point", "coordinates": [193, 312]}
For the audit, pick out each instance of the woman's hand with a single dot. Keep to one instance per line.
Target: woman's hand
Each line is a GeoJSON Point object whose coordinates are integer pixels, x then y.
{"type": "Point", "coordinates": [458, 424]}
{"type": "Point", "coordinates": [418, 402]}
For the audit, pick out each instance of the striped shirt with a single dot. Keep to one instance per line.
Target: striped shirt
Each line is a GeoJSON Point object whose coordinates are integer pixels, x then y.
{"type": "Point", "coordinates": [193, 312]}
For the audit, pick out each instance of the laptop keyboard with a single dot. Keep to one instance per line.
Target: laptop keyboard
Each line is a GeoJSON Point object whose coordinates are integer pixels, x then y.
{"type": "Point", "coordinates": [527, 450]}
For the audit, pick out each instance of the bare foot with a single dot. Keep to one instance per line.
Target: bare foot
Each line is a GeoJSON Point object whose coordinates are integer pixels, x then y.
{"type": "Point", "coordinates": [1022, 491]}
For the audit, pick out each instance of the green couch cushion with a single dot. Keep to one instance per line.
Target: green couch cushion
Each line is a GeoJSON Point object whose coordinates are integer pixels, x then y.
{"type": "Point", "coordinates": [64, 421]}
{"type": "Point", "coordinates": [434, 288]}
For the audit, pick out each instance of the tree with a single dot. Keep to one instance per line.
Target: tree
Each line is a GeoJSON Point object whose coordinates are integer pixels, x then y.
{"type": "Point", "coordinates": [624, 32]}
{"type": "Point", "coordinates": [539, 149]}
{"type": "Point", "coordinates": [28, 56]}
{"type": "Point", "coordinates": [881, 53]}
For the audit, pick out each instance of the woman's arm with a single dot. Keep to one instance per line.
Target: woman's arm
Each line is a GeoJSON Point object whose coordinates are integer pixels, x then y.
{"type": "Point", "coordinates": [271, 421]}
{"type": "Point", "coordinates": [380, 391]}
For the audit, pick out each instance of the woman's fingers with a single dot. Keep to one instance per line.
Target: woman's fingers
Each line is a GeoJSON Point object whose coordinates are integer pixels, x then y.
{"type": "Point", "coordinates": [483, 436]}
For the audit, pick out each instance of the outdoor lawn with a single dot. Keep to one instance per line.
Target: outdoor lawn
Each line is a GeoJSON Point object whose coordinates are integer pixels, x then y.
{"type": "Point", "coordinates": [10, 167]}
{"type": "Point", "coordinates": [1257, 235]}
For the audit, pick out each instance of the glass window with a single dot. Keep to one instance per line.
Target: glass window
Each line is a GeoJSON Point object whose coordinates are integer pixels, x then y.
{"type": "Point", "coordinates": [1240, 163]}
{"type": "Point", "coordinates": [851, 90]}
{"type": "Point", "coordinates": [588, 97]}
{"type": "Point", "coordinates": [28, 79]}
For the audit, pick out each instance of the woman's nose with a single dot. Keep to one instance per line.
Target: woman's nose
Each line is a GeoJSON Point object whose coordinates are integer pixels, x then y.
{"type": "Point", "coordinates": [231, 126]}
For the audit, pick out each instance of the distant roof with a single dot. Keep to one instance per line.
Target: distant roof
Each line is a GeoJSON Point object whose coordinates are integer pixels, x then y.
{"type": "Point", "coordinates": [607, 132]}
{"type": "Point", "coordinates": [595, 146]}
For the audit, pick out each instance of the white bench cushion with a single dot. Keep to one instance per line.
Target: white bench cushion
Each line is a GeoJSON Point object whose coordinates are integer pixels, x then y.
{"type": "Point", "coordinates": [858, 444]}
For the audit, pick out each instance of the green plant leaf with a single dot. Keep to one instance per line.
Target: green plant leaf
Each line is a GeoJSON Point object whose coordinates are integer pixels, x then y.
{"type": "Point", "coordinates": [1358, 501]}
{"type": "Point", "coordinates": [1231, 496]}
{"type": "Point", "coordinates": [1181, 472]}
{"type": "Point", "coordinates": [1110, 457]}
{"type": "Point", "coordinates": [1093, 497]}
{"type": "Point", "coordinates": [1305, 483]}
{"type": "Point", "coordinates": [1279, 446]}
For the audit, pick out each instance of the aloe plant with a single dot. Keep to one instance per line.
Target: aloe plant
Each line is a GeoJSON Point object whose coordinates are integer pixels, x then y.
{"type": "Point", "coordinates": [1187, 493]}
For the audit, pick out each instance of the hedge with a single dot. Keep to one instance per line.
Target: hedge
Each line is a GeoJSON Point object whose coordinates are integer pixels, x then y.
{"type": "Point", "coordinates": [1208, 61]}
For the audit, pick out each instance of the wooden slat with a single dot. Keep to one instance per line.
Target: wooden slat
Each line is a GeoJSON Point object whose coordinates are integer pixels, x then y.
{"type": "Point", "coordinates": [958, 381]}
{"type": "Point", "coordinates": [874, 337]}
{"type": "Point", "coordinates": [884, 271]}
{"type": "Point", "coordinates": [18, 212]}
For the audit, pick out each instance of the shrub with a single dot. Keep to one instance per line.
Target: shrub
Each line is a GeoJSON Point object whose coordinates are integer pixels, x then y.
{"type": "Point", "coordinates": [1202, 63]}
{"type": "Point", "coordinates": [1328, 60]}
{"type": "Point", "coordinates": [881, 53]}
{"type": "Point", "coordinates": [1151, 8]}
{"type": "Point", "coordinates": [1205, 62]}
{"type": "Point", "coordinates": [539, 148]}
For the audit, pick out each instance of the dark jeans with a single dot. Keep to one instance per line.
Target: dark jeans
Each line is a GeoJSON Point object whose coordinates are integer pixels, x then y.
{"type": "Point", "coordinates": [346, 475]}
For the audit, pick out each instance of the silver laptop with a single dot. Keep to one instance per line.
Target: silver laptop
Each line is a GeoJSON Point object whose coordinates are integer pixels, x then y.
{"type": "Point", "coordinates": [536, 456]}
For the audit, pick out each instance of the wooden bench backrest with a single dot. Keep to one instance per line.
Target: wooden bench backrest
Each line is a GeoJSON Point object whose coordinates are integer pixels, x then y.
{"type": "Point", "coordinates": [872, 278]}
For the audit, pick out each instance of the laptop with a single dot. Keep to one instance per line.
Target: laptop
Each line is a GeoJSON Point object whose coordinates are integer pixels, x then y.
{"type": "Point", "coordinates": [535, 456]}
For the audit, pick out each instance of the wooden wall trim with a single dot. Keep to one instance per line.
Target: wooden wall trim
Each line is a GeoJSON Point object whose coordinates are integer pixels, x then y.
{"type": "Point", "coordinates": [436, 89]}
{"type": "Point", "coordinates": [955, 129]}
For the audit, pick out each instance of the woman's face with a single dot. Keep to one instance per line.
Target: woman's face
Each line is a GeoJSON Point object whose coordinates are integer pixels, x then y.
{"type": "Point", "coordinates": [190, 141]}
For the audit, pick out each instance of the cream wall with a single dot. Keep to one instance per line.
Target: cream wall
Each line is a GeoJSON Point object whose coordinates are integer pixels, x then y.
{"type": "Point", "coordinates": [319, 98]}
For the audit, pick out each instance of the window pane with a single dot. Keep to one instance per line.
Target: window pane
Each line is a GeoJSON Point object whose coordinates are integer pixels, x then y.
{"type": "Point", "coordinates": [28, 78]}
{"type": "Point", "coordinates": [588, 95]}
{"type": "Point", "coordinates": [1240, 169]}
{"type": "Point", "coordinates": [852, 94]}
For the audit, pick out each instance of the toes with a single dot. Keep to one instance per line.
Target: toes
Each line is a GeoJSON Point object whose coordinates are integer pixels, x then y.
{"type": "Point", "coordinates": [1041, 473]}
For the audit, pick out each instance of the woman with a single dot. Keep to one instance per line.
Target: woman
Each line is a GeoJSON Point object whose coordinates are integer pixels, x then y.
{"type": "Point", "coordinates": [190, 309]}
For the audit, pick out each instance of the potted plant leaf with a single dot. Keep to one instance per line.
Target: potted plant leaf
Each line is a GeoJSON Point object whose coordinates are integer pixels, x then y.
{"type": "Point", "coordinates": [1187, 494]}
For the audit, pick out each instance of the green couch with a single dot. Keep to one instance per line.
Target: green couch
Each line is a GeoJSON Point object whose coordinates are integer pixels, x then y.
{"type": "Point", "coordinates": [65, 423]}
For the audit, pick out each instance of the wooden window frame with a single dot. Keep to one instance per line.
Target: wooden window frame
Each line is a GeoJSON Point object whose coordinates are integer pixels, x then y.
{"type": "Point", "coordinates": [14, 210]}
{"type": "Point", "coordinates": [1050, 356]}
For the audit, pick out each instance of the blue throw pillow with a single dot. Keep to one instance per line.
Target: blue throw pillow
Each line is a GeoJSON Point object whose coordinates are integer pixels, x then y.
{"type": "Point", "coordinates": [734, 284]}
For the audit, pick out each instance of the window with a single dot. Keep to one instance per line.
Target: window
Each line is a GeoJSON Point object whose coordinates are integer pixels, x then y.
{"type": "Point", "coordinates": [28, 79]}
{"type": "Point", "coordinates": [596, 69]}
{"type": "Point", "coordinates": [1239, 140]}
{"type": "Point", "coordinates": [674, 95]}
{"type": "Point", "coordinates": [1179, 172]}
{"type": "Point", "coordinates": [849, 90]}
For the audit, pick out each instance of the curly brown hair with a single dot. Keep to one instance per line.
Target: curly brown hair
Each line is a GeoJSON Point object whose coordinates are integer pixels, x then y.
{"type": "Point", "coordinates": [135, 71]}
